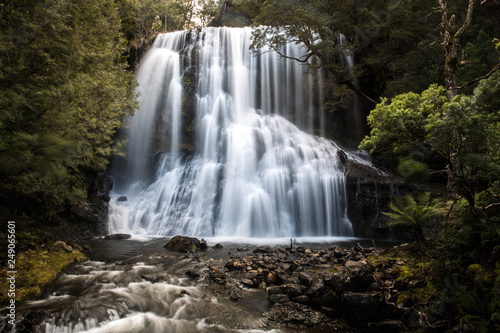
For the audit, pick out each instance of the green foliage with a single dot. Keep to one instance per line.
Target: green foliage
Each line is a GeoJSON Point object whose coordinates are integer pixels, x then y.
{"type": "Point", "coordinates": [143, 20]}
{"type": "Point", "coordinates": [413, 171]}
{"type": "Point", "coordinates": [413, 213]}
{"type": "Point", "coordinates": [36, 269]}
{"type": "Point", "coordinates": [398, 125]}
{"type": "Point", "coordinates": [460, 135]}
{"type": "Point", "coordinates": [64, 92]}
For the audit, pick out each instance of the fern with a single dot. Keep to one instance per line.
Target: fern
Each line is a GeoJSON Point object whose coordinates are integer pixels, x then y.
{"type": "Point", "coordinates": [415, 213]}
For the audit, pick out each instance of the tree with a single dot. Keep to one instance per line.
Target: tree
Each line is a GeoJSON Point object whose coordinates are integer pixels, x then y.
{"type": "Point", "coordinates": [317, 25]}
{"type": "Point", "coordinates": [460, 136]}
{"type": "Point", "coordinates": [451, 37]}
{"type": "Point", "coordinates": [63, 94]}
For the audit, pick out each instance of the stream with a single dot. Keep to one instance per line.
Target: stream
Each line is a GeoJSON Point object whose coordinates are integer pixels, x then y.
{"type": "Point", "coordinates": [138, 286]}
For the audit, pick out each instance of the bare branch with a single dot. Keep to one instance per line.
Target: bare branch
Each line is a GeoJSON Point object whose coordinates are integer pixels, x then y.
{"type": "Point", "coordinates": [490, 73]}
{"type": "Point", "coordinates": [468, 19]}
{"type": "Point", "coordinates": [492, 205]}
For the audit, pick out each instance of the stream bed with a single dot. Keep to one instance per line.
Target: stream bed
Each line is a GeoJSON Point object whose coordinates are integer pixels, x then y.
{"type": "Point", "coordinates": [138, 286]}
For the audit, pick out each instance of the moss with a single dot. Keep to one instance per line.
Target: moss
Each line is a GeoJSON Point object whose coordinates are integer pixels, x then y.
{"type": "Point", "coordinates": [36, 269]}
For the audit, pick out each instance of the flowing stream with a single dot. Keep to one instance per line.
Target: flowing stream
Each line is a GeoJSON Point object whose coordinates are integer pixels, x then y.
{"type": "Point", "coordinates": [223, 144]}
{"type": "Point", "coordinates": [132, 286]}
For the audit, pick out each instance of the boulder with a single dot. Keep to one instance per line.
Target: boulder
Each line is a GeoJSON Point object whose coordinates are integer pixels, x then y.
{"type": "Point", "coordinates": [117, 237]}
{"type": "Point", "coordinates": [192, 274]}
{"type": "Point", "coordinates": [291, 313]}
{"type": "Point", "coordinates": [263, 249]}
{"type": "Point", "coordinates": [235, 265]}
{"type": "Point", "coordinates": [293, 290]}
{"type": "Point", "coordinates": [272, 277]}
{"type": "Point", "coordinates": [185, 244]}
{"type": "Point", "coordinates": [317, 289]}
{"type": "Point", "coordinates": [388, 326]}
{"type": "Point", "coordinates": [278, 298]}
{"type": "Point", "coordinates": [60, 245]}
{"type": "Point", "coordinates": [305, 279]}
{"type": "Point", "coordinates": [217, 275]}
{"type": "Point", "coordinates": [363, 308]}
{"type": "Point", "coordinates": [248, 282]}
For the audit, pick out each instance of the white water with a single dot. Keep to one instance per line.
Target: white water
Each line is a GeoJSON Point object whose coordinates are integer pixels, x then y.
{"type": "Point", "coordinates": [98, 297]}
{"type": "Point", "coordinates": [256, 171]}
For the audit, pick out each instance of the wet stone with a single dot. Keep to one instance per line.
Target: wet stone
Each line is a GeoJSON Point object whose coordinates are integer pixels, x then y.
{"type": "Point", "coordinates": [117, 237]}
{"type": "Point", "coordinates": [263, 249]}
{"type": "Point", "coordinates": [217, 275]}
{"type": "Point", "coordinates": [278, 298]}
{"type": "Point", "coordinates": [248, 282]}
{"type": "Point", "coordinates": [388, 326]}
{"type": "Point", "coordinates": [293, 290]}
{"type": "Point", "coordinates": [185, 244]}
{"type": "Point", "coordinates": [273, 290]}
{"type": "Point", "coordinates": [296, 314]}
{"type": "Point", "coordinates": [305, 279]}
{"type": "Point", "coordinates": [302, 299]}
{"type": "Point", "coordinates": [192, 274]}
{"type": "Point", "coordinates": [252, 274]}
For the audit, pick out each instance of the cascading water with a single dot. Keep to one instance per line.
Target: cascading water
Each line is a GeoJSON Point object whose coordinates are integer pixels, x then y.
{"type": "Point", "coordinates": [252, 171]}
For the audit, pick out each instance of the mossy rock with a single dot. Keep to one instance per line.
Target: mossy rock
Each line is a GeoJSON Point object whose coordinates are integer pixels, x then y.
{"type": "Point", "coordinates": [185, 244]}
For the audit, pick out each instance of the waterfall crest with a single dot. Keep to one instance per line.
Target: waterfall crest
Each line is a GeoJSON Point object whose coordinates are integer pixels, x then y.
{"type": "Point", "coordinates": [255, 169]}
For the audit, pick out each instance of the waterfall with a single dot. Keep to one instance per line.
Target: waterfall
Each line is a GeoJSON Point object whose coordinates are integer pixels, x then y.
{"type": "Point", "coordinates": [253, 167]}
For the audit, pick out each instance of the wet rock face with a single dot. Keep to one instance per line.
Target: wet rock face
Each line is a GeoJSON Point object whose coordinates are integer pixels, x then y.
{"type": "Point", "coordinates": [185, 244]}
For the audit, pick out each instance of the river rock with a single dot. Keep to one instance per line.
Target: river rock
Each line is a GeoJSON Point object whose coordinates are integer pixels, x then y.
{"type": "Point", "coordinates": [117, 236]}
{"type": "Point", "coordinates": [235, 265]}
{"type": "Point", "coordinates": [302, 299]}
{"type": "Point", "coordinates": [263, 249]}
{"type": "Point", "coordinates": [217, 275]}
{"type": "Point", "coordinates": [362, 308]}
{"type": "Point", "coordinates": [388, 326]}
{"type": "Point", "coordinates": [291, 313]}
{"type": "Point", "coordinates": [122, 198]}
{"type": "Point", "coordinates": [248, 282]}
{"type": "Point", "coordinates": [293, 290]}
{"type": "Point", "coordinates": [360, 275]}
{"type": "Point", "coordinates": [273, 290]}
{"type": "Point", "coordinates": [278, 298]}
{"type": "Point", "coordinates": [185, 244]}
{"type": "Point", "coordinates": [317, 288]}
{"type": "Point", "coordinates": [272, 277]}
{"type": "Point", "coordinates": [192, 274]}
{"type": "Point", "coordinates": [305, 279]}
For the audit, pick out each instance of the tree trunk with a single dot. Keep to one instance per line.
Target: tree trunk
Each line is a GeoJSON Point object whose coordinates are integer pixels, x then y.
{"type": "Point", "coordinates": [451, 42]}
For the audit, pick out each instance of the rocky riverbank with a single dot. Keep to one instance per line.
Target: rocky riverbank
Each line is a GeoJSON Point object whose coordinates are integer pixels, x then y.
{"type": "Point", "coordinates": [370, 290]}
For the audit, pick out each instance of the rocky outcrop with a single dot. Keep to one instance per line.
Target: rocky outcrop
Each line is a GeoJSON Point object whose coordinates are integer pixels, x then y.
{"type": "Point", "coordinates": [117, 237]}
{"type": "Point", "coordinates": [315, 287]}
{"type": "Point", "coordinates": [369, 192]}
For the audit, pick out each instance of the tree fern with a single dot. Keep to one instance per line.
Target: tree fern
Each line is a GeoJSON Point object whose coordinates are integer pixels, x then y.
{"type": "Point", "coordinates": [412, 212]}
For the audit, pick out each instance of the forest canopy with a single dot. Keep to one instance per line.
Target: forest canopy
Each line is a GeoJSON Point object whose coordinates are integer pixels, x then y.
{"type": "Point", "coordinates": [64, 91]}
